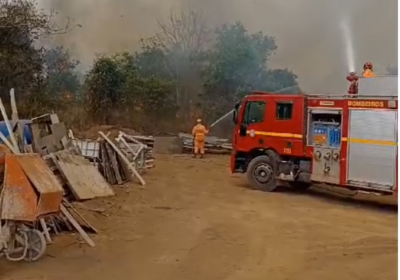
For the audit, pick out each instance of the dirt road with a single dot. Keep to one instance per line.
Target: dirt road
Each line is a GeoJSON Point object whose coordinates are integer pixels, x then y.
{"type": "Point", "coordinates": [195, 221]}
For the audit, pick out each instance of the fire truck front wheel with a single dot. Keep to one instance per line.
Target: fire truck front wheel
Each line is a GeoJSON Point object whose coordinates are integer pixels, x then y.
{"type": "Point", "coordinates": [261, 174]}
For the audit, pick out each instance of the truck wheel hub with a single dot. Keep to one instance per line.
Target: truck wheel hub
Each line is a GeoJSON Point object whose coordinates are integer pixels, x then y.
{"type": "Point", "coordinates": [263, 173]}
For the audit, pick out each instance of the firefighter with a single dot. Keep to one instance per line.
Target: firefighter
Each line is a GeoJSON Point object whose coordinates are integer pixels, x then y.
{"type": "Point", "coordinates": [368, 70]}
{"type": "Point", "coordinates": [353, 79]}
{"type": "Point", "coordinates": [199, 132]}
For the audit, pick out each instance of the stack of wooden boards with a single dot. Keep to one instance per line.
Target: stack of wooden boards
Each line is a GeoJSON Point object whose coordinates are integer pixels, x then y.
{"type": "Point", "coordinates": [213, 145]}
{"type": "Point", "coordinates": [41, 179]}
{"type": "Point", "coordinates": [119, 160]}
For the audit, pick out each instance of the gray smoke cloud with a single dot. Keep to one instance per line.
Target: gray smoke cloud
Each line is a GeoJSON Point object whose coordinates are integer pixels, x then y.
{"type": "Point", "coordinates": [308, 33]}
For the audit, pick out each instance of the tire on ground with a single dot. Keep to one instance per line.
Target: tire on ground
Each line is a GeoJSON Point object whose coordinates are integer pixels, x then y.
{"type": "Point", "coordinates": [270, 186]}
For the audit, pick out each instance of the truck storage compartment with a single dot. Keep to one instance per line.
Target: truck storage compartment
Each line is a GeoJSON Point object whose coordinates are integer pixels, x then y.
{"type": "Point", "coordinates": [372, 148]}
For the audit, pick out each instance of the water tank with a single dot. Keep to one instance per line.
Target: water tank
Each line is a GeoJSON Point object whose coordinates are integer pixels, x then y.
{"type": "Point", "coordinates": [27, 133]}
{"type": "Point", "coordinates": [378, 86]}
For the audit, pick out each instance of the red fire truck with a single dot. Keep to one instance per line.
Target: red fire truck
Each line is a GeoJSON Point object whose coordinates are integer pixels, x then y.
{"type": "Point", "coordinates": [348, 141]}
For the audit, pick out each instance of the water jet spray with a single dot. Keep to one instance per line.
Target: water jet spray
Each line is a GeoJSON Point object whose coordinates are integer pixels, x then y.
{"type": "Point", "coordinates": [348, 42]}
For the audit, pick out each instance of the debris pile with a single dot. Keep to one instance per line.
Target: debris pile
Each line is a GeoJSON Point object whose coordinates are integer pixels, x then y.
{"type": "Point", "coordinates": [138, 148]}
{"type": "Point", "coordinates": [213, 145]}
{"type": "Point", "coordinates": [48, 170]}
{"type": "Point", "coordinates": [120, 160]}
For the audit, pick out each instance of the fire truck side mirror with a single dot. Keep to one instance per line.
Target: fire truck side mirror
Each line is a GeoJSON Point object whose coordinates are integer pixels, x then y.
{"type": "Point", "coordinates": [234, 116]}
{"type": "Point", "coordinates": [235, 112]}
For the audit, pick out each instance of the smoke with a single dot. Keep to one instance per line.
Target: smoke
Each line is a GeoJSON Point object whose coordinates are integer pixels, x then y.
{"type": "Point", "coordinates": [308, 32]}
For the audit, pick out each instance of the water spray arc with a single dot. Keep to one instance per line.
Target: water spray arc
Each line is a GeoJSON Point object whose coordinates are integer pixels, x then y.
{"type": "Point", "coordinates": [348, 43]}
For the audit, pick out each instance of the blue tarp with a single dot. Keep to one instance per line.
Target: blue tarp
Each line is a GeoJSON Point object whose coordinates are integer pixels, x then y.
{"type": "Point", "coordinates": [27, 133]}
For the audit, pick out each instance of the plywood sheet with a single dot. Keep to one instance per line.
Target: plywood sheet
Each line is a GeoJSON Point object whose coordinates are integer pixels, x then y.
{"type": "Point", "coordinates": [19, 198]}
{"type": "Point", "coordinates": [44, 181]}
{"type": "Point", "coordinates": [39, 173]}
{"type": "Point", "coordinates": [83, 178]}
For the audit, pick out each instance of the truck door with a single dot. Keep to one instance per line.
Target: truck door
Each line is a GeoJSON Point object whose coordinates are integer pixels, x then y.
{"type": "Point", "coordinates": [253, 118]}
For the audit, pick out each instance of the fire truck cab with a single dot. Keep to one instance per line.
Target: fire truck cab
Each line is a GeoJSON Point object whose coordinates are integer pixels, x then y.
{"type": "Point", "coordinates": [348, 141]}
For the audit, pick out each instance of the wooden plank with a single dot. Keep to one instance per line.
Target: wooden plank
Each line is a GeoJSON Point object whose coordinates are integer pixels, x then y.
{"type": "Point", "coordinates": [42, 119]}
{"type": "Point", "coordinates": [44, 181]}
{"type": "Point", "coordinates": [85, 222]}
{"type": "Point", "coordinates": [39, 173]}
{"type": "Point", "coordinates": [123, 141]}
{"type": "Point", "coordinates": [105, 164]}
{"type": "Point", "coordinates": [19, 200]}
{"type": "Point", "coordinates": [77, 226]}
{"type": "Point", "coordinates": [83, 178]}
{"type": "Point", "coordinates": [123, 157]}
{"type": "Point", "coordinates": [126, 174]}
{"type": "Point", "coordinates": [45, 230]}
{"type": "Point", "coordinates": [114, 164]}
{"type": "Point", "coordinates": [8, 144]}
{"type": "Point", "coordinates": [71, 134]}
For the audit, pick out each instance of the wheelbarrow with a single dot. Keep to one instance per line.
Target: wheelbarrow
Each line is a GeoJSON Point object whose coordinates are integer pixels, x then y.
{"type": "Point", "coordinates": [20, 243]}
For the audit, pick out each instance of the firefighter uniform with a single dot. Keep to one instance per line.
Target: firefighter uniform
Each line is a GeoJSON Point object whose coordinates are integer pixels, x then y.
{"type": "Point", "coordinates": [368, 70]}
{"type": "Point", "coordinates": [368, 74]}
{"type": "Point", "coordinates": [353, 79]}
{"type": "Point", "coordinates": [199, 132]}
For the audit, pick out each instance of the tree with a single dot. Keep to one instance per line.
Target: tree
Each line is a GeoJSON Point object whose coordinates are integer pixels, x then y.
{"type": "Point", "coordinates": [115, 86]}
{"type": "Point", "coordinates": [61, 77]}
{"type": "Point", "coordinates": [280, 80]}
{"type": "Point", "coordinates": [238, 63]}
{"type": "Point", "coordinates": [104, 85]}
{"type": "Point", "coordinates": [177, 52]}
{"type": "Point", "coordinates": [21, 61]}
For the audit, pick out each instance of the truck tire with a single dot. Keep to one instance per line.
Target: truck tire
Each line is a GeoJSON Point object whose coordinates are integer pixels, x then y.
{"type": "Point", "coordinates": [261, 174]}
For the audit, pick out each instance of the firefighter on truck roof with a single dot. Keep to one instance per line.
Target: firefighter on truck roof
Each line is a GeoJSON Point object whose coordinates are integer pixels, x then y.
{"type": "Point", "coordinates": [368, 70]}
{"type": "Point", "coordinates": [199, 133]}
{"type": "Point", "coordinates": [353, 79]}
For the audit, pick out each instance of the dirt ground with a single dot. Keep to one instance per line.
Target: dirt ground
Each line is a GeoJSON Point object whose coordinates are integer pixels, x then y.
{"type": "Point", "coordinates": [196, 221]}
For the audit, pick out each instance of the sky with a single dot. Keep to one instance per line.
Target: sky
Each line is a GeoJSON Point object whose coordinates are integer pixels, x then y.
{"type": "Point", "coordinates": [309, 33]}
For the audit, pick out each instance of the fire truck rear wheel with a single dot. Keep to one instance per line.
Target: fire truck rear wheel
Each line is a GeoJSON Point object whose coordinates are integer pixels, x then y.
{"type": "Point", "coordinates": [261, 174]}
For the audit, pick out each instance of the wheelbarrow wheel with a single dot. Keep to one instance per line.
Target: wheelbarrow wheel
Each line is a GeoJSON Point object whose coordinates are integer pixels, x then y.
{"type": "Point", "coordinates": [16, 247]}
{"type": "Point", "coordinates": [36, 245]}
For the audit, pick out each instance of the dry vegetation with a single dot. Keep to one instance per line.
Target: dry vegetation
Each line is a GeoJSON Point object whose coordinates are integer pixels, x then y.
{"type": "Point", "coordinates": [186, 70]}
